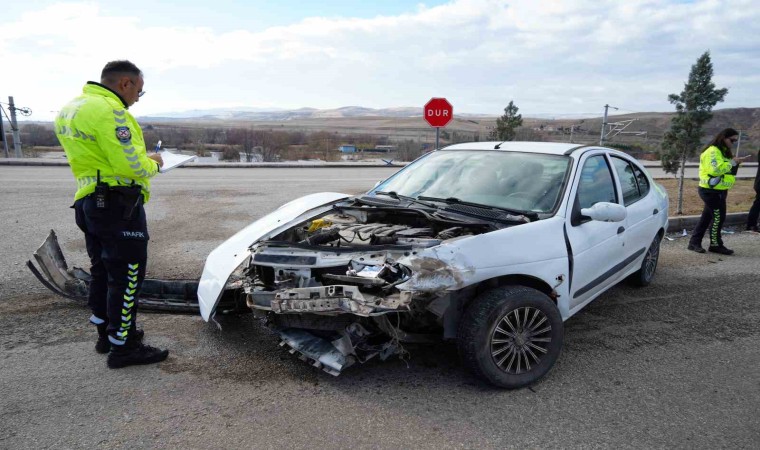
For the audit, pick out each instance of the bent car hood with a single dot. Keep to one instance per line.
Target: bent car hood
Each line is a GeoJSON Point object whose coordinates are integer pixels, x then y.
{"type": "Point", "coordinates": [224, 259]}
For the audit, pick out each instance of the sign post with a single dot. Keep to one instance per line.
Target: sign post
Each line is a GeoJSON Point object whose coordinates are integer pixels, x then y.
{"type": "Point", "coordinates": [438, 112]}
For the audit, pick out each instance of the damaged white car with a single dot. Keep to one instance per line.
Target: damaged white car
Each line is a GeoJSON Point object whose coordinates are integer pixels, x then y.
{"type": "Point", "coordinates": [490, 244]}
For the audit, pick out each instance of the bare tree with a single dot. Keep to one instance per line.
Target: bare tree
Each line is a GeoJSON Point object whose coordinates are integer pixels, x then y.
{"type": "Point", "coordinates": [244, 138]}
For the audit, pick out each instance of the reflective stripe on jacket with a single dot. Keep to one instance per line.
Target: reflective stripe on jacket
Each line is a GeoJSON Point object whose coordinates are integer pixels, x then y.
{"type": "Point", "coordinates": [713, 165]}
{"type": "Point", "coordinates": [99, 134]}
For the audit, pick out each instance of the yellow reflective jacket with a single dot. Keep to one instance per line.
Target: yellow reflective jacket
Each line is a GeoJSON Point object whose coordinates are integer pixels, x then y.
{"type": "Point", "coordinates": [99, 134]}
{"type": "Point", "coordinates": [715, 170]}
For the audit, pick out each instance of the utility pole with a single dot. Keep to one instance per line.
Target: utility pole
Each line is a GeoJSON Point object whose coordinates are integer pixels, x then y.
{"type": "Point", "coordinates": [739, 142]}
{"type": "Point", "coordinates": [604, 124]}
{"type": "Point", "coordinates": [2, 132]}
{"type": "Point", "coordinates": [572, 128]}
{"type": "Point", "coordinates": [14, 128]}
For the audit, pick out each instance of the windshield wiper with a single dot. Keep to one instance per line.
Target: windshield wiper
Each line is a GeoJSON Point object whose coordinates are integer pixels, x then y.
{"type": "Point", "coordinates": [397, 196]}
{"type": "Point", "coordinates": [391, 194]}
{"type": "Point", "coordinates": [455, 201]}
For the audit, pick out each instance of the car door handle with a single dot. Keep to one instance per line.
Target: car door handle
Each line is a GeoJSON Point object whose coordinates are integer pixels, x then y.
{"type": "Point", "coordinates": [654, 213]}
{"type": "Point", "coordinates": [621, 229]}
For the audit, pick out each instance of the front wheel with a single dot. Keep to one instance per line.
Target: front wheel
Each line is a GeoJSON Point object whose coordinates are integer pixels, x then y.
{"type": "Point", "coordinates": [511, 336]}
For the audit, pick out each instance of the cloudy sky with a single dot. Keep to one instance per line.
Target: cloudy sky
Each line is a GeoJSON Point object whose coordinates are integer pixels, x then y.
{"type": "Point", "coordinates": [551, 57]}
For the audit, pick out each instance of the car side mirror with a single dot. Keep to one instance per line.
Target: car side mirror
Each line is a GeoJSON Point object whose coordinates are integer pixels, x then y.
{"type": "Point", "coordinates": [605, 212]}
{"type": "Point", "coordinates": [377, 184]}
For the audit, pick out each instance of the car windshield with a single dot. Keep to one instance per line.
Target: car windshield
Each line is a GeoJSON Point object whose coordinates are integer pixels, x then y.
{"type": "Point", "coordinates": [511, 180]}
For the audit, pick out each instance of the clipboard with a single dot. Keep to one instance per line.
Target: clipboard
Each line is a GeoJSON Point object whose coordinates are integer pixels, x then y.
{"type": "Point", "coordinates": [174, 160]}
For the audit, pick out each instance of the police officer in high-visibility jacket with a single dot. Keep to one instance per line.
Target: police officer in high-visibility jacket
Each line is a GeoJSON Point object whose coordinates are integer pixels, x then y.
{"type": "Point", "coordinates": [717, 174]}
{"type": "Point", "coordinates": [105, 148]}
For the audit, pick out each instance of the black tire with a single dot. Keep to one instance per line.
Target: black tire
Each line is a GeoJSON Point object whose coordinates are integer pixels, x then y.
{"type": "Point", "coordinates": [645, 274]}
{"type": "Point", "coordinates": [482, 341]}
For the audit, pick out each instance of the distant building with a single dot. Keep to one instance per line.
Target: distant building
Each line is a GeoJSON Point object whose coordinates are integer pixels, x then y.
{"type": "Point", "coordinates": [347, 149]}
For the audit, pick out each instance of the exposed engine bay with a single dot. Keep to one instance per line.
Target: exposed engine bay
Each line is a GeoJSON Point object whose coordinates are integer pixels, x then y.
{"type": "Point", "coordinates": [333, 286]}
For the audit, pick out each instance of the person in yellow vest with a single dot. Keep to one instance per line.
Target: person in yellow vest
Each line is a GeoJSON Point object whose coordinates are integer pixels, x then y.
{"type": "Point", "coordinates": [717, 174]}
{"type": "Point", "coordinates": [106, 151]}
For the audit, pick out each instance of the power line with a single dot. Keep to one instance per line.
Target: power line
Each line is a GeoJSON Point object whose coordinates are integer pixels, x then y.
{"type": "Point", "coordinates": [24, 111]}
{"type": "Point", "coordinates": [628, 110]}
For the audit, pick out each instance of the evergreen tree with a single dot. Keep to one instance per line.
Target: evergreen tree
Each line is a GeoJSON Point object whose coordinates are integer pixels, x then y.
{"type": "Point", "coordinates": [507, 124]}
{"type": "Point", "coordinates": [693, 109]}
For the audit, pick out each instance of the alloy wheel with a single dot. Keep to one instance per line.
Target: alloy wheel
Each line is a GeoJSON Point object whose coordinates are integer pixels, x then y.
{"type": "Point", "coordinates": [520, 340]}
{"type": "Point", "coordinates": [650, 262]}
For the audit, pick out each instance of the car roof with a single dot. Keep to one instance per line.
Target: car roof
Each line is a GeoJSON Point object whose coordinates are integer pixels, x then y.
{"type": "Point", "coordinates": [550, 148]}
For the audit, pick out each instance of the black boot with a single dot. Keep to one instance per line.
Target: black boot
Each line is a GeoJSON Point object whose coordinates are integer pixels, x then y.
{"type": "Point", "coordinates": [132, 354]}
{"type": "Point", "coordinates": [103, 345]}
{"type": "Point", "coordinates": [720, 249]}
{"type": "Point", "coordinates": [695, 248]}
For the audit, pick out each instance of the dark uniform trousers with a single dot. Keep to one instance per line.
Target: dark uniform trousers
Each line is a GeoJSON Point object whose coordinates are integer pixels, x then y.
{"type": "Point", "coordinates": [754, 212]}
{"type": "Point", "coordinates": [713, 216]}
{"type": "Point", "coordinates": [117, 244]}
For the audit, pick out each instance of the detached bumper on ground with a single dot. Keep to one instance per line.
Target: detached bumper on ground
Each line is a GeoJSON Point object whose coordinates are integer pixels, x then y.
{"type": "Point", "coordinates": [176, 296]}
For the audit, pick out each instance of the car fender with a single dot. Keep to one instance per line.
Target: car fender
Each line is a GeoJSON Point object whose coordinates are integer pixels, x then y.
{"type": "Point", "coordinates": [536, 249]}
{"type": "Point", "coordinates": [224, 259]}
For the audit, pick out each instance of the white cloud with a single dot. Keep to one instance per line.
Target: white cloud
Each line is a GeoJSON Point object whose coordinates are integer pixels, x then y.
{"type": "Point", "coordinates": [549, 56]}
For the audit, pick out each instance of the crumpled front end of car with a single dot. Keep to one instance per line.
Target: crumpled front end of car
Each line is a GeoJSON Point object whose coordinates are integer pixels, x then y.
{"type": "Point", "coordinates": [357, 282]}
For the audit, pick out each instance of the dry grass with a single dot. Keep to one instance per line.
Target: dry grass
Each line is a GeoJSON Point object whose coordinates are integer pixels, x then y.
{"type": "Point", "coordinates": [740, 197]}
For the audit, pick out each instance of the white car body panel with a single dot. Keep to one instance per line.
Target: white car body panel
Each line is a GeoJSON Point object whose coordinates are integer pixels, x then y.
{"type": "Point", "coordinates": [224, 259]}
{"type": "Point", "coordinates": [598, 246]}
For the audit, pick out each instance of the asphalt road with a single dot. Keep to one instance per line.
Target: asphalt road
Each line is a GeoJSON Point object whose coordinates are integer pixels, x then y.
{"type": "Point", "coordinates": [676, 364]}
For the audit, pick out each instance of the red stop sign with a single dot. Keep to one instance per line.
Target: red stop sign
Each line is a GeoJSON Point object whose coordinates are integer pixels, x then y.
{"type": "Point", "coordinates": [438, 112]}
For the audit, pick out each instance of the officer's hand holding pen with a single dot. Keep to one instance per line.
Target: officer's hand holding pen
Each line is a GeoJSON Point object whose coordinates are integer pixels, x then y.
{"type": "Point", "coordinates": [157, 158]}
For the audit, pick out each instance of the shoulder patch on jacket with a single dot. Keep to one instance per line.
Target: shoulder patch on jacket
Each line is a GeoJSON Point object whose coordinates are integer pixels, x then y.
{"type": "Point", "coordinates": [123, 134]}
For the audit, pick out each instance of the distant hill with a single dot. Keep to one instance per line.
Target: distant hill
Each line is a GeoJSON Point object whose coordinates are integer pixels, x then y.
{"type": "Point", "coordinates": [407, 123]}
{"type": "Point", "coordinates": [263, 114]}
{"type": "Point", "coordinates": [655, 124]}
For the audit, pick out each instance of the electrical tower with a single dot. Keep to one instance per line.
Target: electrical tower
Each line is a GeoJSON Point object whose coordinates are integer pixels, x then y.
{"type": "Point", "coordinates": [616, 128]}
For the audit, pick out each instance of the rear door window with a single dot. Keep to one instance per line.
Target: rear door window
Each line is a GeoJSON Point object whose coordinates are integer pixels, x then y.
{"type": "Point", "coordinates": [641, 177]}
{"type": "Point", "coordinates": [628, 182]}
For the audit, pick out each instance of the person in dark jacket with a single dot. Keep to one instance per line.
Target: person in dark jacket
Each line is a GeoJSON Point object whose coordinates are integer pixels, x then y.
{"type": "Point", "coordinates": [754, 211]}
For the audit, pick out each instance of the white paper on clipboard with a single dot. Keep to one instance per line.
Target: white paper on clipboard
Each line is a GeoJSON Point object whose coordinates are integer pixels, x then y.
{"type": "Point", "coordinates": [172, 160]}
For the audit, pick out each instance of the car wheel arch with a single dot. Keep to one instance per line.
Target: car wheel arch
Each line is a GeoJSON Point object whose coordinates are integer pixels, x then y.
{"type": "Point", "coordinates": [463, 298]}
{"type": "Point", "coordinates": [513, 280]}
